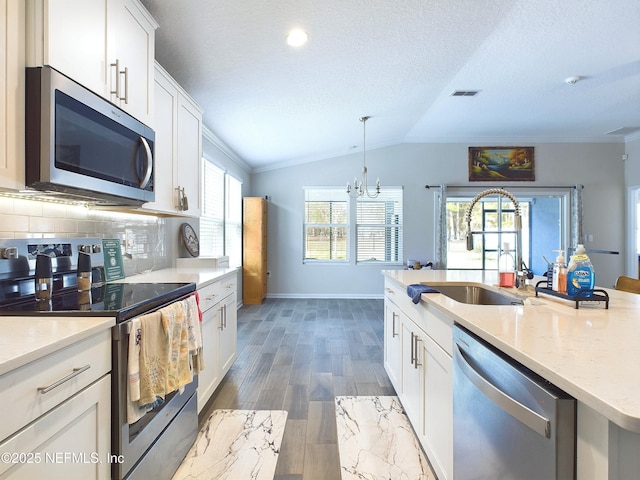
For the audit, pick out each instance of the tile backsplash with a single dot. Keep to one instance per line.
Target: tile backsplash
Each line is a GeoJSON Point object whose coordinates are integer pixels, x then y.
{"type": "Point", "coordinates": [148, 249]}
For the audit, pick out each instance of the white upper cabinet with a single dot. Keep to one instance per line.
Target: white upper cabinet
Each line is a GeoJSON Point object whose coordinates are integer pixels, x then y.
{"type": "Point", "coordinates": [178, 149]}
{"type": "Point", "coordinates": [12, 63]}
{"type": "Point", "coordinates": [187, 168]}
{"type": "Point", "coordinates": [105, 45]}
{"type": "Point", "coordinates": [130, 53]}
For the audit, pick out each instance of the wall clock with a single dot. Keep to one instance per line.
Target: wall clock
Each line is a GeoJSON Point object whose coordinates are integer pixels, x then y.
{"type": "Point", "coordinates": [190, 239]}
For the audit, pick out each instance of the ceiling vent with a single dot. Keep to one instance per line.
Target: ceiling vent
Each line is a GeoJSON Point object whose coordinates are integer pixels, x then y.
{"type": "Point", "coordinates": [624, 131]}
{"type": "Point", "coordinates": [465, 93]}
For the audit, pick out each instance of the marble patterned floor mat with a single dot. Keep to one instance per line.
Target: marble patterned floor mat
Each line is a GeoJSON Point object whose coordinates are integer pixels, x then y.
{"type": "Point", "coordinates": [235, 444]}
{"type": "Point", "coordinates": [376, 441]}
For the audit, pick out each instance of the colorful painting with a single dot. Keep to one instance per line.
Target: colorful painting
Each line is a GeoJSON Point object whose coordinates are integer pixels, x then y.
{"type": "Point", "coordinates": [501, 164]}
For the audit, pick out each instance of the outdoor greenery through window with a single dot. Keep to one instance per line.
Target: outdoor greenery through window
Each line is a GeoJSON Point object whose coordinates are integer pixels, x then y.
{"type": "Point", "coordinates": [221, 220]}
{"type": "Point", "coordinates": [495, 223]}
{"type": "Point", "coordinates": [331, 215]}
{"type": "Point", "coordinates": [326, 224]}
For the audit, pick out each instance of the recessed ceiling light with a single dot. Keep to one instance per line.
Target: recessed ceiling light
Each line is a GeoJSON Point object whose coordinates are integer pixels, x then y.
{"type": "Point", "coordinates": [297, 37]}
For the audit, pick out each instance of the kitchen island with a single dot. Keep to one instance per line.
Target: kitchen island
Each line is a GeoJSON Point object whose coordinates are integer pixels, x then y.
{"type": "Point", "coordinates": [590, 352]}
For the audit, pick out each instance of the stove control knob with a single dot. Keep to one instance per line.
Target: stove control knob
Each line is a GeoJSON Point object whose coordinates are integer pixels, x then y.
{"type": "Point", "coordinates": [9, 252]}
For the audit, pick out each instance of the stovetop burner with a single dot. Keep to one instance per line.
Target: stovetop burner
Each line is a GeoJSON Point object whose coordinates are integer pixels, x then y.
{"type": "Point", "coordinates": [120, 300]}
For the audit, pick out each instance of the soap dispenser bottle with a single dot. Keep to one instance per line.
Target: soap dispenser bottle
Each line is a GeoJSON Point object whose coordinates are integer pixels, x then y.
{"type": "Point", "coordinates": [557, 268]}
{"type": "Point", "coordinates": [580, 273]}
{"type": "Point", "coordinates": [506, 267]}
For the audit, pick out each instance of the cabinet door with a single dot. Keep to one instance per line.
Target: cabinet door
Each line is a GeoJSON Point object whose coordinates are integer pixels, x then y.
{"type": "Point", "coordinates": [131, 37]}
{"type": "Point", "coordinates": [12, 58]}
{"type": "Point", "coordinates": [393, 344]}
{"type": "Point", "coordinates": [412, 372]}
{"type": "Point", "coordinates": [438, 408]}
{"type": "Point", "coordinates": [228, 333]}
{"type": "Point", "coordinates": [189, 154]}
{"type": "Point", "coordinates": [70, 441]}
{"type": "Point", "coordinates": [164, 124]}
{"type": "Point", "coordinates": [75, 37]}
{"type": "Point", "coordinates": [209, 377]}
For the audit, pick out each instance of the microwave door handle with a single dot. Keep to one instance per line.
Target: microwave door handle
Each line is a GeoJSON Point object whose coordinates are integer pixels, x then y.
{"type": "Point", "coordinates": [147, 174]}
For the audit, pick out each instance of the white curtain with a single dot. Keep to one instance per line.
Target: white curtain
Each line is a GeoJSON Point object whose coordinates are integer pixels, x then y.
{"type": "Point", "coordinates": [440, 262]}
{"type": "Point", "coordinates": [576, 216]}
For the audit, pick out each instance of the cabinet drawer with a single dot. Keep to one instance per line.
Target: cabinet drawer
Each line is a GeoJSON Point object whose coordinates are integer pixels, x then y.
{"type": "Point", "coordinates": [398, 295]}
{"type": "Point", "coordinates": [210, 295]}
{"type": "Point", "coordinates": [216, 291]}
{"type": "Point", "coordinates": [440, 328]}
{"type": "Point", "coordinates": [228, 285]}
{"type": "Point", "coordinates": [22, 398]}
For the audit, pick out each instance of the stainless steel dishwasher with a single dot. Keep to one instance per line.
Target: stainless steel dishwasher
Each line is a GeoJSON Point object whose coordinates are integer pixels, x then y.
{"type": "Point", "coordinates": [508, 422]}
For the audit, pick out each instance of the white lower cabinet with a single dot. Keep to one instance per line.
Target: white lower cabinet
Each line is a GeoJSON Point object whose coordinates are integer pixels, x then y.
{"type": "Point", "coordinates": [56, 414]}
{"type": "Point", "coordinates": [438, 408]}
{"type": "Point", "coordinates": [70, 441]}
{"type": "Point", "coordinates": [393, 345]}
{"type": "Point", "coordinates": [420, 367]}
{"type": "Point", "coordinates": [412, 372]}
{"type": "Point", "coordinates": [228, 332]}
{"type": "Point", "coordinates": [218, 302]}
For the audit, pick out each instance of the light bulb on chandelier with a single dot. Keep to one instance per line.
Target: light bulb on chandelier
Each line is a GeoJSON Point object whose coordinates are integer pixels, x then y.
{"type": "Point", "coordinates": [361, 189]}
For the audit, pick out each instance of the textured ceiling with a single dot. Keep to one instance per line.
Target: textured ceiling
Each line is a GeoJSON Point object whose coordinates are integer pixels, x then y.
{"type": "Point", "coordinates": [399, 61]}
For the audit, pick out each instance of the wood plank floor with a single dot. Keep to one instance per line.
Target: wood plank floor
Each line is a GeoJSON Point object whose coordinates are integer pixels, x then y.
{"type": "Point", "coordinates": [297, 355]}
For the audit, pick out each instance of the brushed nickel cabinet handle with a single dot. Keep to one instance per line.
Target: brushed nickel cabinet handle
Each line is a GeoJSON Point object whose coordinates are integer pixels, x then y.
{"type": "Point", "coordinates": [417, 363]}
{"type": "Point", "coordinates": [125, 72]}
{"type": "Point", "coordinates": [116, 92]}
{"type": "Point", "coordinates": [393, 325]}
{"type": "Point", "coordinates": [412, 349]}
{"type": "Point", "coordinates": [75, 373]}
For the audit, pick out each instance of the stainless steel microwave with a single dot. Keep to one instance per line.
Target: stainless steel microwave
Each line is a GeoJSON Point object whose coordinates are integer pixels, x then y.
{"type": "Point", "coordinates": [81, 146]}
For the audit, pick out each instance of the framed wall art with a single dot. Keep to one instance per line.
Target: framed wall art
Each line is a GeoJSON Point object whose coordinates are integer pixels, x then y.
{"type": "Point", "coordinates": [501, 164]}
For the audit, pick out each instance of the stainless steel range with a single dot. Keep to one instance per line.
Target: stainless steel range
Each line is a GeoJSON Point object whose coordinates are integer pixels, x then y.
{"type": "Point", "coordinates": [154, 445]}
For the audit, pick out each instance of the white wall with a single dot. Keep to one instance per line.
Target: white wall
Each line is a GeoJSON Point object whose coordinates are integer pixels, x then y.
{"type": "Point", "coordinates": [597, 166]}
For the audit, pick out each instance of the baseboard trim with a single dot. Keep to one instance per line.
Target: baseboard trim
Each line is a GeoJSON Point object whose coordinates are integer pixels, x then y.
{"type": "Point", "coordinates": [346, 296]}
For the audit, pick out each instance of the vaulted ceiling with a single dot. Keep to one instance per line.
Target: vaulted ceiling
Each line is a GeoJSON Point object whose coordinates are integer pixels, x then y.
{"type": "Point", "coordinates": [399, 61]}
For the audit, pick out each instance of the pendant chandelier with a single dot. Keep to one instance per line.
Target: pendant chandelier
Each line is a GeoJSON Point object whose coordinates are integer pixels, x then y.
{"type": "Point", "coordinates": [360, 189]}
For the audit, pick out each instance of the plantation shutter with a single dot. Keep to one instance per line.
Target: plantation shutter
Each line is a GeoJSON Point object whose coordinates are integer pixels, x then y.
{"type": "Point", "coordinates": [379, 227]}
{"type": "Point", "coordinates": [212, 219]}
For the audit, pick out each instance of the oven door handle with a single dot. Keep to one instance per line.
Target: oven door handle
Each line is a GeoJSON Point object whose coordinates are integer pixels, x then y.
{"type": "Point", "coordinates": [517, 410]}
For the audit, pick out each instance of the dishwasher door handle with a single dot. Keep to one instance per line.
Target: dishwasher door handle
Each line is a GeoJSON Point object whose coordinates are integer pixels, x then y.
{"type": "Point", "coordinates": [517, 410]}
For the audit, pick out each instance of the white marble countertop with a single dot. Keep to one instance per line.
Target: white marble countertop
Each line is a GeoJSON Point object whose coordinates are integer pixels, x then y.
{"type": "Point", "coordinates": [24, 339]}
{"type": "Point", "coordinates": [591, 353]}
{"type": "Point", "coordinates": [201, 276]}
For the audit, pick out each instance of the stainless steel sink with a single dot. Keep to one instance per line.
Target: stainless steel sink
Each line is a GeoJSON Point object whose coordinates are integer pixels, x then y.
{"type": "Point", "coordinates": [476, 294]}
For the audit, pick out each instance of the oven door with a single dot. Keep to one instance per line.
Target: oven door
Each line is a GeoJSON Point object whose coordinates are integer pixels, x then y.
{"type": "Point", "coordinates": [155, 445]}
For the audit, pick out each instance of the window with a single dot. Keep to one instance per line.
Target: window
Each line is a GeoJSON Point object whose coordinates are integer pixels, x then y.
{"type": "Point", "coordinates": [221, 220]}
{"type": "Point", "coordinates": [379, 227]}
{"type": "Point", "coordinates": [212, 219]}
{"type": "Point", "coordinates": [326, 224]}
{"type": "Point", "coordinates": [233, 220]}
{"type": "Point", "coordinates": [331, 215]}
{"type": "Point", "coordinates": [494, 220]}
